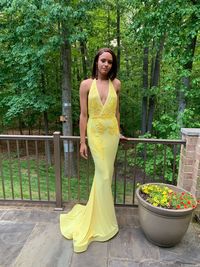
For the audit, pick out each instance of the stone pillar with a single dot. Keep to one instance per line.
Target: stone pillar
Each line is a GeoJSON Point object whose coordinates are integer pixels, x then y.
{"type": "Point", "coordinates": [189, 166]}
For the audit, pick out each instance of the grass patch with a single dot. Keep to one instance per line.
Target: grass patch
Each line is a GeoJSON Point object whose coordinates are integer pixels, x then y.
{"type": "Point", "coordinates": [31, 179]}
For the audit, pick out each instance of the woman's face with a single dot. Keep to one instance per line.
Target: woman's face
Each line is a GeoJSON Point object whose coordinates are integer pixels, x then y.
{"type": "Point", "coordinates": [104, 63]}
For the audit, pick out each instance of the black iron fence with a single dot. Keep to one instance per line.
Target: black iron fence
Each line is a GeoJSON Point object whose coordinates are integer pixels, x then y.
{"type": "Point", "coordinates": [49, 169]}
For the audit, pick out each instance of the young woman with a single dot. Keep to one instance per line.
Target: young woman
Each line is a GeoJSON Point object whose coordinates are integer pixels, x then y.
{"type": "Point", "coordinates": [99, 118]}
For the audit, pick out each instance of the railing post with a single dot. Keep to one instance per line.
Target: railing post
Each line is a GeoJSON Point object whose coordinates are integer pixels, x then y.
{"type": "Point", "coordinates": [57, 162]}
{"type": "Point", "coordinates": [189, 167]}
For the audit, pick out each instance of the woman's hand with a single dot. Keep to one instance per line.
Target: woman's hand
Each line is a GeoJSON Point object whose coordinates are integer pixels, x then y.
{"type": "Point", "coordinates": [123, 138]}
{"type": "Point", "coordinates": [83, 150]}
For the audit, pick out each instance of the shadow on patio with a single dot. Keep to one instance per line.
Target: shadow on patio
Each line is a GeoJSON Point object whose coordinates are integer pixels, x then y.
{"type": "Point", "coordinates": [30, 236]}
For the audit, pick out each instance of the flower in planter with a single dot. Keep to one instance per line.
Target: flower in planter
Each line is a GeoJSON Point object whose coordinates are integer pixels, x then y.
{"type": "Point", "coordinates": [163, 196]}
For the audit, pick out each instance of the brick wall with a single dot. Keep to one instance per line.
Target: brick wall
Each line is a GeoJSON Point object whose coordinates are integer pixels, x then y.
{"type": "Point", "coordinates": [189, 167]}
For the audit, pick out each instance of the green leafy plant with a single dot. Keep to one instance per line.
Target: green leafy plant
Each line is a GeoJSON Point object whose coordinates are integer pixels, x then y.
{"type": "Point", "coordinates": [156, 160]}
{"type": "Point", "coordinates": [165, 197]}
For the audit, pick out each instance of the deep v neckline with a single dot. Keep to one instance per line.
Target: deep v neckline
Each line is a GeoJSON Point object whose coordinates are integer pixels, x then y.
{"type": "Point", "coordinates": [103, 104]}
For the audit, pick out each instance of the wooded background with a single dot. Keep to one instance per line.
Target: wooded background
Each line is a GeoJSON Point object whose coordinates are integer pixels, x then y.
{"type": "Point", "coordinates": [47, 47]}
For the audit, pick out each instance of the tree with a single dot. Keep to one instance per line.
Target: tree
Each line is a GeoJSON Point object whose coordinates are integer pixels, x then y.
{"type": "Point", "coordinates": [167, 25]}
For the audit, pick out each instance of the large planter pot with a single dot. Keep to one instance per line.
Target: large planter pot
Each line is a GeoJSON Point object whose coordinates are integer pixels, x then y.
{"type": "Point", "coordinates": [163, 227]}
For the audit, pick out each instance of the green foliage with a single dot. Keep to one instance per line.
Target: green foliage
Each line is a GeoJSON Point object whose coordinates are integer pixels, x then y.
{"type": "Point", "coordinates": [156, 161]}
{"type": "Point", "coordinates": [30, 42]}
{"type": "Point", "coordinates": [167, 127]}
{"type": "Point", "coordinates": [152, 162]}
{"type": "Point", "coordinates": [177, 22]}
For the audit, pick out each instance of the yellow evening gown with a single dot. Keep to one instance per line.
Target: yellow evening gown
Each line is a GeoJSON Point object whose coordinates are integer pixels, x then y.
{"type": "Point", "coordinates": [96, 221]}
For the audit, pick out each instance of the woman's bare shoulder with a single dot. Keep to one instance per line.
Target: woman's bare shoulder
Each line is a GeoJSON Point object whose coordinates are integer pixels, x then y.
{"type": "Point", "coordinates": [86, 84]}
{"type": "Point", "coordinates": [117, 84]}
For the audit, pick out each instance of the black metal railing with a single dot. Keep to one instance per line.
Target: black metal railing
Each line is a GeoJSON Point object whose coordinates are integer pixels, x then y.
{"type": "Point", "coordinates": [144, 160]}
{"type": "Point", "coordinates": [49, 168]}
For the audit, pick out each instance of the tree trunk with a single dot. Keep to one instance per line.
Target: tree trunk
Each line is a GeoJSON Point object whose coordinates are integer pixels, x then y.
{"type": "Point", "coordinates": [20, 125]}
{"type": "Point", "coordinates": [181, 102]}
{"type": "Point", "coordinates": [145, 88]}
{"type": "Point", "coordinates": [118, 37]}
{"type": "Point", "coordinates": [47, 144]}
{"type": "Point", "coordinates": [185, 81]}
{"type": "Point", "coordinates": [66, 101]}
{"type": "Point", "coordinates": [154, 83]}
{"type": "Point", "coordinates": [128, 65]}
{"type": "Point", "coordinates": [83, 56]}
{"type": "Point", "coordinates": [108, 27]}
{"type": "Point", "coordinates": [189, 53]}
{"type": "Point", "coordinates": [39, 125]}
{"type": "Point", "coordinates": [46, 122]}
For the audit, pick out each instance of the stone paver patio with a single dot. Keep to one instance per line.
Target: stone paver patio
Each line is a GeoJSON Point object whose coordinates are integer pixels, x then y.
{"type": "Point", "coordinates": [30, 236]}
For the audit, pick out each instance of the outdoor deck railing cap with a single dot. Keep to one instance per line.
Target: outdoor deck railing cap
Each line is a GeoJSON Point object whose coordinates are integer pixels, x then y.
{"type": "Point", "coordinates": [191, 131]}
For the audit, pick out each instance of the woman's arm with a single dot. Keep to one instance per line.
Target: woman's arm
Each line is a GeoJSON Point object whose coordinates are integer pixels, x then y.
{"type": "Point", "coordinates": [84, 89]}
